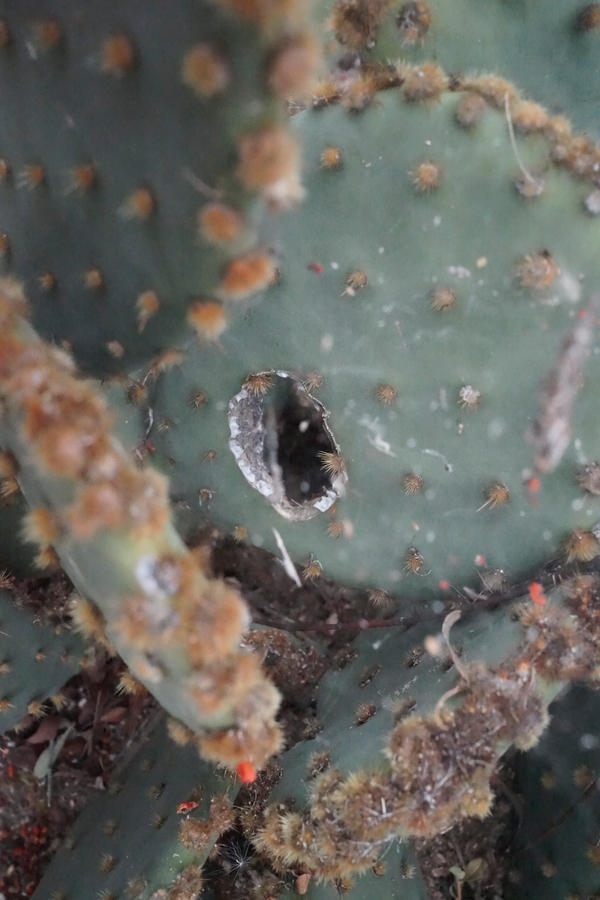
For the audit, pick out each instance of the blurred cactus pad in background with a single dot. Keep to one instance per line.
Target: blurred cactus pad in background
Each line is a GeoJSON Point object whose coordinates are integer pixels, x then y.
{"type": "Point", "coordinates": [300, 450]}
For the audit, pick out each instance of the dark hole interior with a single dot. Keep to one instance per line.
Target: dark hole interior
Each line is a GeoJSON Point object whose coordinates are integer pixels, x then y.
{"type": "Point", "coordinates": [295, 435]}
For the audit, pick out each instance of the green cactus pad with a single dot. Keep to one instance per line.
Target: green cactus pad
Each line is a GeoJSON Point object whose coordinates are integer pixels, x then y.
{"type": "Point", "coordinates": [100, 100]}
{"type": "Point", "coordinates": [394, 368]}
{"type": "Point", "coordinates": [126, 841]}
{"type": "Point", "coordinates": [556, 850]}
{"type": "Point", "coordinates": [35, 660]}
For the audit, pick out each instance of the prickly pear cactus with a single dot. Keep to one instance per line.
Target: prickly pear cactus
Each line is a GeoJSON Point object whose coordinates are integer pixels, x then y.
{"type": "Point", "coordinates": [411, 407]}
{"type": "Point", "coordinates": [427, 336]}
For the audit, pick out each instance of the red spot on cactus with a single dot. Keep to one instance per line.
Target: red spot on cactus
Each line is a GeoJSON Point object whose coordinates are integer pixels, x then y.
{"type": "Point", "coordinates": [536, 592]}
{"type": "Point", "coordinates": [187, 806]}
{"type": "Point", "coordinates": [246, 772]}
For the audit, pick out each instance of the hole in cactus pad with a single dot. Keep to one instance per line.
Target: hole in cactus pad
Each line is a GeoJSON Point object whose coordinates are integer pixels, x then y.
{"type": "Point", "coordinates": [283, 445]}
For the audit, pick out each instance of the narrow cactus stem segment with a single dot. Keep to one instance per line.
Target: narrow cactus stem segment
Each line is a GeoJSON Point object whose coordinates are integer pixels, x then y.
{"type": "Point", "coordinates": [178, 630]}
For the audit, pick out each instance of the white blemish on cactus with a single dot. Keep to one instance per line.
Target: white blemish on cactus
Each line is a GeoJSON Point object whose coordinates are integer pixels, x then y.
{"type": "Point", "coordinates": [459, 271]}
{"type": "Point", "coordinates": [375, 435]}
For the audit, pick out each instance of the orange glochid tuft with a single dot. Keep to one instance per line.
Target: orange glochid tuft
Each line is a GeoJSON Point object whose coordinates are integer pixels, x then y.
{"type": "Point", "coordinates": [340, 528]}
{"type": "Point", "coordinates": [529, 116]}
{"type": "Point", "coordinates": [355, 23]}
{"type": "Point", "coordinates": [355, 281]}
{"type": "Point", "coordinates": [140, 204]}
{"type": "Point", "coordinates": [47, 34]}
{"type": "Point", "coordinates": [259, 383]}
{"type": "Point", "coordinates": [493, 89]}
{"type": "Point", "coordinates": [426, 176]}
{"type": "Point", "coordinates": [37, 709]}
{"type": "Point", "coordinates": [115, 348]}
{"type": "Point", "coordinates": [412, 483]}
{"type": "Point", "coordinates": [233, 745]}
{"type": "Point", "coordinates": [93, 279]}
{"type": "Point", "coordinates": [536, 271]}
{"type": "Point", "coordinates": [332, 463]}
{"type": "Point", "coordinates": [32, 176]}
{"type": "Point", "coordinates": [41, 527]}
{"type": "Point", "coordinates": [581, 546]}
{"type": "Point", "coordinates": [364, 712]}
{"type": "Point", "coordinates": [205, 71]}
{"type": "Point", "coordinates": [442, 298]}
{"type": "Point", "coordinates": [291, 69]}
{"type": "Point", "coordinates": [127, 684]}
{"type": "Point", "coordinates": [178, 732]}
{"type": "Point", "coordinates": [219, 223]}
{"type": "Point", "coordinates": [266, 157]}
{"type": "Point", "coordinates": [496, 494]}
{"type": "Point", "coordinates": [588, 477]}
{"type": "Point", "coordinates": [248, 274]}
{"type": "Point", "coordinates": [312, 569]}
{"type": "Point", "coordinates": [422, 83]}
{"type": "Point", "coordinates": [588, 18]}
{"type": "Point", "coordinates": [413, 22]}
{"type": "Point", "coordinates": [312, 381]}
{"type": "Point", "coordinates": [82, 178]}
{"type": "Point", "coordinates": [469, 109]}
{"type": "Point", "coordinates": [118, 55]}
{"type": "Point", "coordinates": [413, 561]}
{"type": "Point", "coordinates": [208, 318]}
{"type": "Point", "coordinates": [8, 465]}
{"type": "Point", "coordinates": [331, 157]}
{"type": "Point", "coordinates": [147, 305]}
{"type": "Point", "coordinates": [386, 394]}
{"type": "Point", "coordinates": [47, 282]}
{"type": "Point", "coordinates": [98, 507]}
{"type": "Point", "coordinates": [46, 558]}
